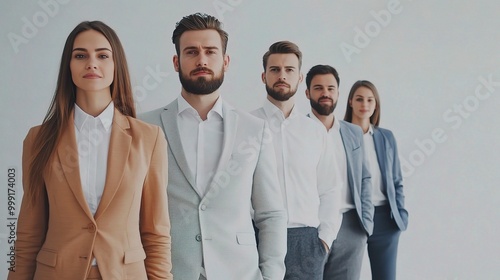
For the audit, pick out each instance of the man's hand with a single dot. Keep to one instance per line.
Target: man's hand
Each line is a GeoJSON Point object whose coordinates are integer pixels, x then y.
{"type": "Point", "coordinates": [327, 248]}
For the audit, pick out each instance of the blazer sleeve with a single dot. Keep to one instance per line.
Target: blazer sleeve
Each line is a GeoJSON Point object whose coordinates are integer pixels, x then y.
{"type": "Point", "coordinates": [154, 218]}
{"type": "Point", "coordinates": [368, 210]}
{"type": "Point", "coordinates": [32, 221]}
{"type": "Point", "coordinates": [398, 180]}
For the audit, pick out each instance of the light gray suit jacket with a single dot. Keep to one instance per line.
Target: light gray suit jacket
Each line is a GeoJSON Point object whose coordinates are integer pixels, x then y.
{"type": "Point", "coordinates": [216, 230]}
{"type": "Point", "coordinates": [358, 174]}
{"type": "Point", "coordinates": [392, 179]}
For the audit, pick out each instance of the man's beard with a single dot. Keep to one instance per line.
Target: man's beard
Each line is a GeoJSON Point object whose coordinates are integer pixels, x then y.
{"type": "Point", "coordinates": [280, 95]}
{"type": "Point", "coordinates": [201, 86]}
{"type": "Point", "coordinates": [324, 110]}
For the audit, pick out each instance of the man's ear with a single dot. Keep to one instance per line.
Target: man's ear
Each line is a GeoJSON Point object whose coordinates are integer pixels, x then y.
{"type": "Point", "coordinates": [227, 59]}
{"type": "Point", "coordinates": [175, 60]}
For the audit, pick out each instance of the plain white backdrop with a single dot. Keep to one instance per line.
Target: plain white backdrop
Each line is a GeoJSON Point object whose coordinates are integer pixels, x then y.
{"type": "Point", "coordinates": [436, 65]}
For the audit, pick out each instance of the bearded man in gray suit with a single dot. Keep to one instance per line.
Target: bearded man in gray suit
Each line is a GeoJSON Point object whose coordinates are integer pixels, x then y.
{"type": "Point", "coordinates": [346, 254]}
{"type": "Point", "coordinates": [222, 170]}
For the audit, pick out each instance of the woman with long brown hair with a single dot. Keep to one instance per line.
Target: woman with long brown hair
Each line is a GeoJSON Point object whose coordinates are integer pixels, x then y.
{"type": "Point", "coordinates": [391, 217]}
{"type": "Point", "coordinates": [94, 177]}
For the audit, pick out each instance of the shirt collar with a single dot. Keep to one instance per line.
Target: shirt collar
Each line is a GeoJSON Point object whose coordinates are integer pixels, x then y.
{"type": "Point", "coordinates": [315, 118]}
{"type": "Point", "coordinates": [217, 107]}
{"type": "Point", "coordinates": [183, 105]}
{"type": "Point", "coordinates": [105, 117]}
{"type": "Point", "coordinates": [370, 130]}
{"type": "Point", "coordinates": [270, 109]}
{"type": "Point", "coordinates": [335, 126]}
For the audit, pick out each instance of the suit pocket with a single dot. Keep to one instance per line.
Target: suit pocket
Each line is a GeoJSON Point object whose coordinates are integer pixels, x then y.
{"type": "Point", "coordinates": [355, 147]}
{"type": "Point", "coordinates": [245, 155]}
{"type": "Point", "coordinates": [404, 216]}
{"type": "Point", "coordinates": [134, 266]}
{"type": "Point", "coordinates": [245, 238]}
{"type": "Point", "coordinates": [47, 257]}
{"type": "Point", "coordinates": [322, 247]}
{"type": "Point", "coordinates": [134, 255]}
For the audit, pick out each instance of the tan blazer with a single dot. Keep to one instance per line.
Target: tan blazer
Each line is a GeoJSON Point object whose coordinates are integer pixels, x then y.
{"type": "Point", "coordinates": [130, 233]}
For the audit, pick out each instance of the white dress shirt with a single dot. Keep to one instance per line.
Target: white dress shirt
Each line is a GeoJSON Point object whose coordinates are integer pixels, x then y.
{"type": "Point", "coordinates": [201, 141]}
{"type": "Point", "coordinates": [202, 144]}
{"type": "Point", "coordinates": [378, 196]}
{"type": "Point", "coordinates": [346, 201]}
{"type": "Point", "coordinates": [308, 175]}
{"type": "Point", "coordinates": [92, 139]}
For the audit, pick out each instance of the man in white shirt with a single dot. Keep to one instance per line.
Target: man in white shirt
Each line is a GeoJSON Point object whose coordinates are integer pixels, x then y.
{"type": "Point", "coordinates": [306, 168]}
{"type": "Point", "coordinates": [346, 255]}
{"type": "Point", "coordinates": [221, 165]}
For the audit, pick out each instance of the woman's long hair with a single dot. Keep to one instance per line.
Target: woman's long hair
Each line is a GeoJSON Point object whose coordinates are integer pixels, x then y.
{"type": "Point", "coordinates": [375, 118]}
{"type": "Point", "coordinates": [63, 102]}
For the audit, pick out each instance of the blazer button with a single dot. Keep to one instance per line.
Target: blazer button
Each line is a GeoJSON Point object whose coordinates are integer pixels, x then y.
{"type": "Point", "coordinates": [198, 237]}
{"type": "Point", "coordinates": [91, 228]}
{"type": "Point", "coordinates": [203, 207]}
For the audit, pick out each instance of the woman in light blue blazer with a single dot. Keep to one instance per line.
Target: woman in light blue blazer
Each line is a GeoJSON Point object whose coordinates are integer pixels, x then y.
{"type": "Point", "coordinates": [391, 217]}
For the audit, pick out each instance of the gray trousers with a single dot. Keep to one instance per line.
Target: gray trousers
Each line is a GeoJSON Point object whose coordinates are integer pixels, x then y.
{"type": "Point", "coordinates": [347, 251]}
{"type": "Point", "coordinates": [305, 255]}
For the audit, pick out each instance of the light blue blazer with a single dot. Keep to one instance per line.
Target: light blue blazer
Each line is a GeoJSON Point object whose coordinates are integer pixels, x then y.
{"type": "Point", "coordinates": [392, 179]}
{"type": "Point", "coordinates": [215, 230]}
{"type": "Point", "coordinates": [358, 174]}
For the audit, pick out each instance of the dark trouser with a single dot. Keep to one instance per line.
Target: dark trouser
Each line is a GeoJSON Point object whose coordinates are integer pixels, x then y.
{"type": "Point", "coordinates": [347, 251]}
{"type": "Point", "coordinates": [383, 245]}
{"type": "Point", "coordinates": [305, 255]}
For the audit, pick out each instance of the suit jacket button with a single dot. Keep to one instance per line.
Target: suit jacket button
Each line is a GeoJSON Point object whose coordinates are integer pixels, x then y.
{"type": "Point", "coordinates": [203, 207]}
{"type": "Point", "coordinates": [91, 228]}
{"type": "Point", "coordinates": [198, 237]}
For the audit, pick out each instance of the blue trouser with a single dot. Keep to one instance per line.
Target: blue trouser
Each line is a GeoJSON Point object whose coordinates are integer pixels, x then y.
{"type": "Point", "coordinates": [383, 245]}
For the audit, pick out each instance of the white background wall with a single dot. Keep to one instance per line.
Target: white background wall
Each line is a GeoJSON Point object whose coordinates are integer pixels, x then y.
{"type": "Point", "coordinates": [431, 61]}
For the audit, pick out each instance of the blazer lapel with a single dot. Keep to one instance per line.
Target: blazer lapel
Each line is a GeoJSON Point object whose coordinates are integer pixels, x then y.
{"type": "Point", "coordinates": [379, 140]}
{"type": "Point", "coordinates": [119, 148]}
{"type": "Point", "coordinates": [169, 121]}
{"type": "Point", "coordinates": [67, 153]}
{"type": "Point", "coordinates": [230, 120]}
{"type": "Point", "coordinates": [349, 147]}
